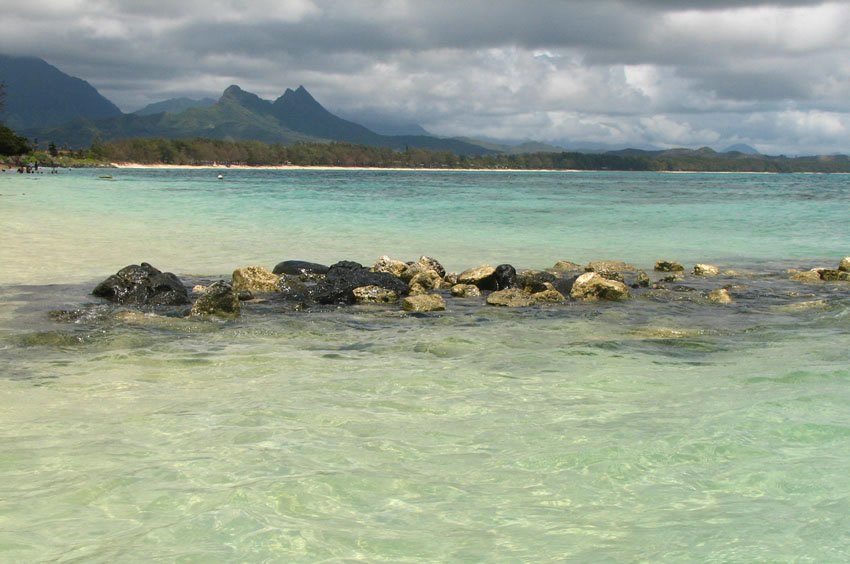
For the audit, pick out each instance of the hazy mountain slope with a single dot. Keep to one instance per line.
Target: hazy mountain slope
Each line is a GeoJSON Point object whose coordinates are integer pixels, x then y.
{"type": "Point", "coordinates": [40, 95]}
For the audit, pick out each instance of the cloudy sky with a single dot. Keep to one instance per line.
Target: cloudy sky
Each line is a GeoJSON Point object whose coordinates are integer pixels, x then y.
{"type": "Point", "coordinates": [772, 74]}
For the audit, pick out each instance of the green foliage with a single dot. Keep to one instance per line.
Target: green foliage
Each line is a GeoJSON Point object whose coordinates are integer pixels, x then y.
{"type": "Point", "coordinates": [11, 143]}
{"type": "Point", "coordinates": [202, 151]}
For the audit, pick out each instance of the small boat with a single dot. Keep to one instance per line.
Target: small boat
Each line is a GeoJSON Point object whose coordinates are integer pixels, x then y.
{"type": "Point", "coordinates": [105, 177]}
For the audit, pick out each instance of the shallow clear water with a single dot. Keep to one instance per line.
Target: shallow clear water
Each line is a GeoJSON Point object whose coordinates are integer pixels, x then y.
{"type": "Point", "coordinates": [660, 429]}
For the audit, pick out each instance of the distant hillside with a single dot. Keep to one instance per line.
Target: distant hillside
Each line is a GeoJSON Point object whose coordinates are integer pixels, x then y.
{"type": "Point", "coordinates": [384, 124]}
{"type": "Point", "coordinates": [513, 148]}
{"type": "Point", "coordinates": [741, 148]}
{"type": "Point", "coordinates": [240, 115]}
{"type": "Point", "coordinates": [174, 106]}
{"type": "Point", "coordinates": [40, 95]}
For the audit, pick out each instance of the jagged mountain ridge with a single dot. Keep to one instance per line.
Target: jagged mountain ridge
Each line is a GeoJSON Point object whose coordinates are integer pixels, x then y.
{"type": "Point", "coordinates": [238, 114]}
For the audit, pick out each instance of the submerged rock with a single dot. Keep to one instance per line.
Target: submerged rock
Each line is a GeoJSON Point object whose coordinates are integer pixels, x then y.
{"type": "Point", "coordinates": [301, 268]}
{"type": "Point", "coordinates": [720, 296]}
{"type": "Point", "coordinates": [374, 295]}
{"type": "Point", "coordinates": [706, 270]}
{"type": "Point", "coordinates": [673, 277]}
{"type": "Point", "coordinates": [591, 286]}
{"type": "Point", "coordinates": [423, 303]}
{"type": "Point", "coordinates": [641, 280]}
{"type": "Point", "coordinates": [343, 277]}
{"type": "Point", "coordinates": [510, 297]}
{"type": "Point", "coordinates": [143, 285]}
{"type": "Point", "coordinates": [802, 306]}
{"type": "Point", "coordinates": [807, 276]}
{"type": "Point", "coordinates": [831, 275]}
{"type": "Point", "coordinates": [220, 300]}
{"type": "Point", "coordinates": [668, 266]}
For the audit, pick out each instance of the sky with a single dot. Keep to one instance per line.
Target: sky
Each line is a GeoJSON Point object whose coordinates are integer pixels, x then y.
{"type": "Point", "coordinates": [661, 73]}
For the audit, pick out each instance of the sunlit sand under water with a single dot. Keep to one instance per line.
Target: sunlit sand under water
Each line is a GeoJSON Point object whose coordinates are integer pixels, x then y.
{"type": "Point", "coordinates": [663, 428]}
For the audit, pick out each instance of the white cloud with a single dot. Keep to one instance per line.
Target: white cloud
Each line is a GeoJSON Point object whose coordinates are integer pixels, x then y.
{"type": "Point", "coordinates": [771, 73]}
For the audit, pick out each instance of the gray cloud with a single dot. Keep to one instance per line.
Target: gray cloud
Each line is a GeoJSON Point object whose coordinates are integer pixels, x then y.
{"type": "Point", "coordinates": [771, 73]}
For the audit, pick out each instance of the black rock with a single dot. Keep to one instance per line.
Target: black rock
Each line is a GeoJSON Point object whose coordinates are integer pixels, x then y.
{"type": "Point", "coordinates": [292, 288]}
{"type": "Point", "coordinates": [301, 268]}
{"type": "Point", "coordinates": [143, 285]}
{"type": "Point", "coordinates": [343, 277]}
{"type": "Point", "coordinates": [504, 277]}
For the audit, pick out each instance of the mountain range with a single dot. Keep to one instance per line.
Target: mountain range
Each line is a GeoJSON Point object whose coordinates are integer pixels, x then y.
{"type": "Point", "coordinates": [46, 104]}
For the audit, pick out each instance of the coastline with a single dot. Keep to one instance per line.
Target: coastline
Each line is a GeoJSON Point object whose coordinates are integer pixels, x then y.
{"type": "Point", "coordinates": [151, 166]}
{"type": "Point", "coordinates": [143, 166]}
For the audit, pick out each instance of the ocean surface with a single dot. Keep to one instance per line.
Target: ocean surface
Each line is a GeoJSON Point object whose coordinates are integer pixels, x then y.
{"type": "Point", "coordinates": [662, 429]}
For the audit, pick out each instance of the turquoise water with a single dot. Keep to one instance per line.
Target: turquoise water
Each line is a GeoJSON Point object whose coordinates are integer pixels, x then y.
{"type": "Point", "coordinates": [660, 429]}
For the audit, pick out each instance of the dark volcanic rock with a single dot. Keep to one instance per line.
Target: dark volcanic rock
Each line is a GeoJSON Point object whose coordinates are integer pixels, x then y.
{"type": "Point", "coordinates": [143, 285]}
{"type": "Point", "coordinates": [343, 277]}
{"type": "Point", "coordinates": [502, 277]}
{"type": "Point", "coordinates": [505, 277]}
{"type": "Point", "coordinates": [301, 268]}
{"type": "Point", "coordinates": [292, 288]}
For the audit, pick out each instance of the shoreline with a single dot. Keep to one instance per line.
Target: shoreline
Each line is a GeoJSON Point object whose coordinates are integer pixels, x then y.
{"type": "Point", "coordinates": [151, 166]}
{"type": "Point", "coordinates": [143, 166]}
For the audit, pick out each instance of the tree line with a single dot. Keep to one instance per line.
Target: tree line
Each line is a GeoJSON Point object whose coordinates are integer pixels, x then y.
{"type": "Point", "coordinates": [208, 151]}
{"type": "Point", "coordinates": [202, 151]}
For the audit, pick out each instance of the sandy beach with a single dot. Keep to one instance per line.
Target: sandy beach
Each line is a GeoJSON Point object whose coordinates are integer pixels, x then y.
{"type": "Point", "coordinates": [322, 167]}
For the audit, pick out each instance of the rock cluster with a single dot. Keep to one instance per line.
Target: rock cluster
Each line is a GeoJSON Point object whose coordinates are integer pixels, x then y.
{"type": "Point", "coordinates": [420, 286]}
{"type": "Point", "coordinates": [839, 274]}
{"type": "Point", "coordinates": [143, 285]}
